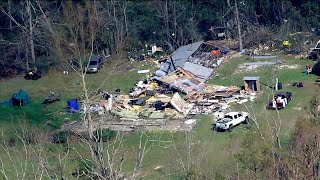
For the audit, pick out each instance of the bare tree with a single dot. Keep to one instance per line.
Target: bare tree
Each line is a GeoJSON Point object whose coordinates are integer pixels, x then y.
{"type": "Point", "coordinates": [27, 26]}
{"type": "Point", "coordinates": [238, 24]}
{"type": "Point", "coordinates": [190, 156]}
{"type": "Point", "coordinates": [179, 26]}
{"type": "Point", "coordinates": [76, 37]}
{"type": "Point", "coordinates": [26, 154]}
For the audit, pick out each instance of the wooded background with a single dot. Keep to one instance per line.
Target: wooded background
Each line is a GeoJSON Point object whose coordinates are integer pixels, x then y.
{"type": "Point", "coordinates": [30, 29]}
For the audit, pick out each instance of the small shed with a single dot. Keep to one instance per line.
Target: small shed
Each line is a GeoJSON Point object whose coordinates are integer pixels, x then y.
{"type": "Point", "coordinates": [252, 84]}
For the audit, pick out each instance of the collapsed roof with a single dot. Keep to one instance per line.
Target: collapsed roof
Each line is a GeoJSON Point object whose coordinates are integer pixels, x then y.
{"type": "Point", "coordinates": [197, 58]}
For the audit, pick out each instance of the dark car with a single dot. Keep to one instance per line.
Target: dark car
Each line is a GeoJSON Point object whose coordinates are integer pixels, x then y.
{"type": "Point", "coordinates": [95, 64]}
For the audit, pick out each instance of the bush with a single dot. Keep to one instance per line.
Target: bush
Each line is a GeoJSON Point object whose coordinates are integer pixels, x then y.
{"type": "Point", "coordinates": [45, 64]}
{"type": "Point", "coordinates": [104, 134]}
{"type": "Point", "coordinates": [85, 168]}
{"type": "Point", "coordinates": [30, 135]}
{"type": "Point", "coordinates": [61, 137]}
{"type": "Point", "coordinates": [11, 142]}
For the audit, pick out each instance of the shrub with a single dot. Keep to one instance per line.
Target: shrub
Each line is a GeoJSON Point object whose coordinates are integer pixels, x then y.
{"type": "Point", "coordinates": [29, 135]}
{"type": "Point", "coordinates": [85, 168]}
{"type": "Point", "coordinates": [11, 142]}
{"type": "Point", "coordinates": [61, 137]}
{"type": "Point", "coordinates": [104, 134]}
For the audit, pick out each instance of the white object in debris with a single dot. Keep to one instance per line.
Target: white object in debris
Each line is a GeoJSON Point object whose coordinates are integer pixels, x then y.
{"type": "Point", "coordinates": [109, 107]}
{"type": "Point", "coordinates": [144, 71]}
{"type": "Point", "coordinates": [153, 49]}
{"type": "Point", "coordinates": [230, 100]}
{"type": "Point", "coordinates": [224, 106]}
{"type": "Point", "coordinates": [140, 84]}
{"type": "Point", "coordinates": [218, 115]}
{"type": "Point", "coordinates": [213, 101]}
{"type": "Point", "coordinates": [242, 101]}
{"type": "Point", "coordinates": [219, 61]}
{"type": "Point", "coordinates": [252, 98]}
{"type": "Point", "coordinates": [190, 121]}
{"type": "Point", "coordinates": [180, 104]}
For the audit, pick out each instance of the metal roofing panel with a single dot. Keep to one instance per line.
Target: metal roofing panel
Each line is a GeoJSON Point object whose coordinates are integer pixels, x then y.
{"type": "Point", "coordinates": [263, 57]}
{"type": "Point", "coordinates": [251, 78]}
{"type": "Point", "coordinates": [180, 56]}
{"type": "Point", "coordinates": [201, 73]}
{"type": "Point", "coordinates": [259, 63]}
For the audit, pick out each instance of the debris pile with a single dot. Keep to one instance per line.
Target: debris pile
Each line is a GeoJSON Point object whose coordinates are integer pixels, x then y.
{"type": "Point", "coordinates": [169, 98]}
{"type": "Point", "coordinates": [152, 106]}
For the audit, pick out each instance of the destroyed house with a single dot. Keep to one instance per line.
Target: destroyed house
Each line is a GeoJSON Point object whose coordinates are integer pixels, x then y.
{"type": "Point", "coordinates": [199, 58]}
{"type": "Point", "coordinates": [181, 80]}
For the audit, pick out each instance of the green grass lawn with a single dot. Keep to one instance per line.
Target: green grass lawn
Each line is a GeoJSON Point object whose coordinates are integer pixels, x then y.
{"type": "Point", "coordinates": [69, 85]}
{"type": "Point", "coordinates": [213, 149]}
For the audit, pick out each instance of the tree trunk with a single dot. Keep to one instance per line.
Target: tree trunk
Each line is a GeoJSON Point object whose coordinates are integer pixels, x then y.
{"type": "Point", "coordinates": [30, 34]}
{"type": "Point", "coordinates": [238, 25]}
{"type": "Point", "coordinates": [9, 10]}
{"type": "Point", "coordinates": [27, 59]}
{"type": "Point", "coordinates": [125, 17]}
{"type": "Point", "coordinates": [95, 150]}
{"type": "Point", "coordinates": [167, 20]}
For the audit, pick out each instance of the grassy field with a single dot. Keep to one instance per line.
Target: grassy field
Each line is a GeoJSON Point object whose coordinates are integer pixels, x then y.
{"type": "Point", "coordinates": [213, 149]}
{"type": "Point", "coordinates": [69, 85]}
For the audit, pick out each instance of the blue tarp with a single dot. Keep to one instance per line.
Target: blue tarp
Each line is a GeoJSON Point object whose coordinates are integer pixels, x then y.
{"type": "Point", "coordinates": [6, 103]}
{"type": "Point", "coordinates": [72, 106]}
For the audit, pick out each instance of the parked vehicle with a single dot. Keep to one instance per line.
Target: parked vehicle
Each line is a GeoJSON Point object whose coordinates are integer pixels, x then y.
{"type": "Point", "coordinates": [95, 64]}
{"type": "Point", "coordinates": [280, 100]}
{"type": "Point", "coordinates": [314, 53]}
{"type": "Point", "coordinates": [230, 120]}
{"type": "Point", "coordinates": [33, 74]}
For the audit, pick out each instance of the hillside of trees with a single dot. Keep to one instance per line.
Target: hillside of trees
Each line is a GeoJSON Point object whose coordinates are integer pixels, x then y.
{"type": "Point", "coordinates": [30, 29]}
{"type": "Point", "coordinates": [51, 34]}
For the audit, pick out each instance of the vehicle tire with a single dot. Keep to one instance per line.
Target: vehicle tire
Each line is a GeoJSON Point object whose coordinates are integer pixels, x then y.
{"type": "Point", "coordinates": [230, 127]}
{"type": "Point", "coordinates": [246, 121]}
{"type": "Point", "coordinates": [214, 127]}
{"type": "Point", "coordinates": [98, 70]}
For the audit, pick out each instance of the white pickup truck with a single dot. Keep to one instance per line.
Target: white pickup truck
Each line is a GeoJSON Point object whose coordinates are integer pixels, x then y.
{"type": "Point", "coordinates": [231, 120]}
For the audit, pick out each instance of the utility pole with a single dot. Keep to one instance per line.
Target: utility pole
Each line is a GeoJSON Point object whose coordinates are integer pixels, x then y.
{"type": "Point", "coordinates": [238, 25]}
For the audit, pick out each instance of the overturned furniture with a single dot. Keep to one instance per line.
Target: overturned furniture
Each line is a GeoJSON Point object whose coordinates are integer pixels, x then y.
{"type": "Point", "coordinates": [280, 100]}
{"type": "Point", "coordinates": [51, 98]}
